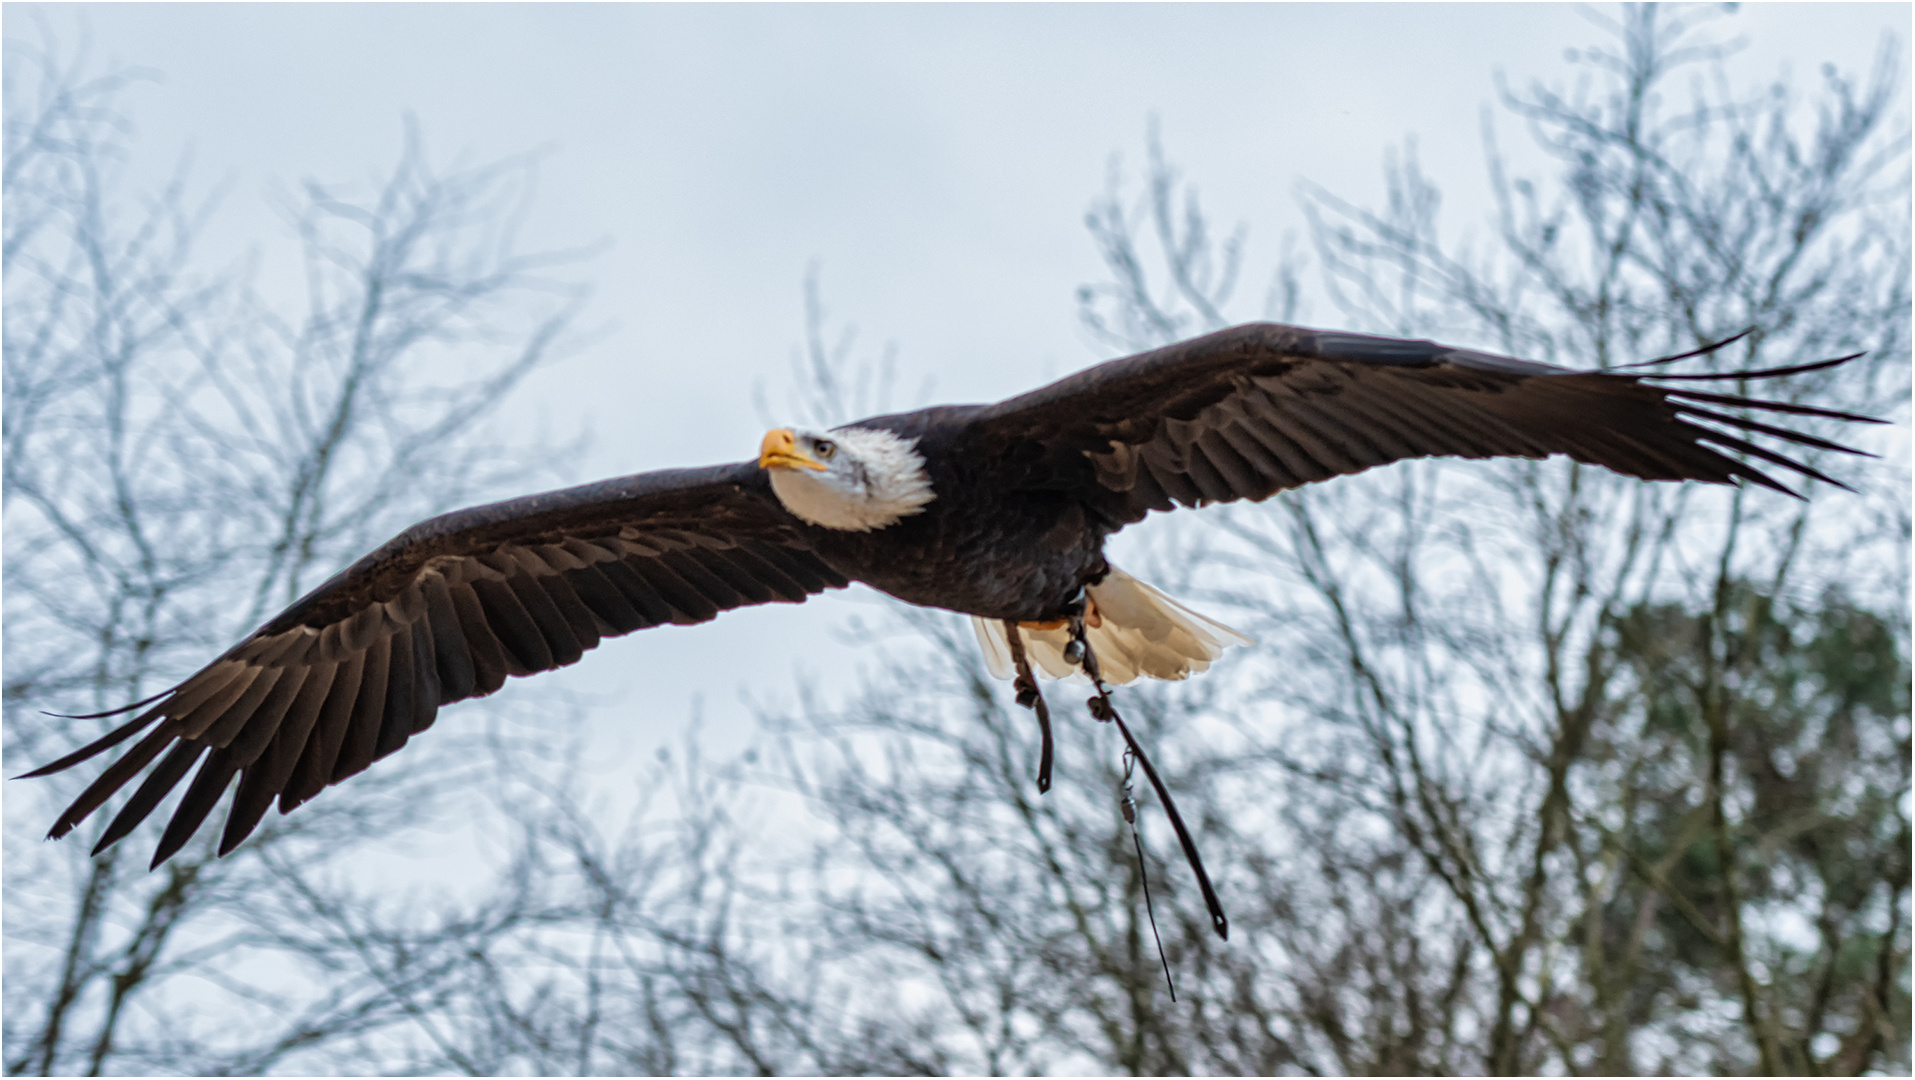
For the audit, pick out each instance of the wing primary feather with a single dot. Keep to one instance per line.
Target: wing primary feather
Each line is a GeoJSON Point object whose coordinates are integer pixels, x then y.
{"type": "Point", "coordinates": [200, 798]}
{"type": "Point", "coordinates": [1248, 447]}
{"type": "Point", "coordinates": [314, 769]}
{"type": "Point", "coordinates": [488, 656]}
{"type": "Point", "coordinates": [203, 715]}
{"type": "Point", "coordinates": [1757, 476]}
{"type": "Point", "coordinates": [1376, 438]}
{"type": "Point", "coordinates": [1781, 433]}
{"type": "Point", "coordinates": [1321, 440]}
{"type": "Point", "coordinates": [688, 604]}
{"type": "Point", "coordinates": [693, 568]}
{"type": "Point", "coordinates": [1680, 458]}
{"type": "Point", "coordinates": [1696, 461]}
{"type": "Point", "coordinates": [250, 802]}
{"type": "Point", "coordinates": [806, 569]}
{"type": "Point", "coordinates": [114, 778]}
{"type": "Point", "coordinates": [1723, 438]}
{"type": "Point", "coordinates": [1767, 373]}
{"type": "Point", "coordinates": [524, 645]}
{"type": "Point", "coordinates": [560, 643]}
{"type": "Point", "coordinates": [221, 731]}
{"type": "Point", "coordinates": [451, 656]}
{"type": "Point", "coordinates": [1173, 481]}
{"type": "Point", "coordinates": [1675, 458]}
{"type": "Point", "coordinates": [1591, 448]}
{"type": "Point", "coordinates": [597, 592]}
{"type": "Point", "coordinates": [1771, 406]}
{"type": "Point", "coordinates": [637, 590]}
{"type": "Point", "coordinates": [267, 776]}
{"type": "Point", "coordinates": [1655, 454]}
{"type": "Point", "coordinates": [201, 688]}
{"type": "Point", "coordinates": [1445, 434]}
{"type": "Point", "coordinates": [1245, 473]}
{"type": "Point", "coordinates": [762, 570]}
{"type": "Point", "coordinates": [106, 742]}
{"type": "Point", "coordinates": [402, 691]}
{"type": "Point", "coordinates": [726, 566]}
{"type": "Point", "coordinates": [1268, 431]}
{"type": "Point", "coordinates": [426, 691]}
{"type": "Point", "coordinates": [122, 709]}
{"type": "Point", "coordinates": [577, 615]}
{"type": "Point", "coordinates": [1203, 472]}
{"type": "Point", "coordinates": [250, 741]}
{"type": "Point", "coordinates": [151, 791]}
{"type": "Point", "coordinates": [1703, 351]}
{"type": "Point", "coordinates": [362, 734]}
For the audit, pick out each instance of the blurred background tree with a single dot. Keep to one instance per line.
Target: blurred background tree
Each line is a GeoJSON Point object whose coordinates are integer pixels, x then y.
{"type": "Point", "coordinates": [183, 458]}
{"type": "Point", "coordinates": [1536, 769]}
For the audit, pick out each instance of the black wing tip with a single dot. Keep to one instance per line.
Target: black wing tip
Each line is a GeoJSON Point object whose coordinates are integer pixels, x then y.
{"type": "Point", "coordinates": [1765, 481]}
{"type": "Point", "coordinates": [100, 745]}
{"type": "Point", "coordinates": [114, 712]}
{"type": "Point", "coordinates": [1742, 469]}
{"type": "Point", "coordinates": [1703, 351]}
{"type": "Point", "coordinates": [1757, 478]}
{"type": "Point", "coordinates": [1683, 397]}
{"type": "Point", "coordinates": [1755, 373]}
{"type": "Point", "coordinates": [83, 754]}
{"type": "Point", "coordinates": [166, 851]}
{"type": "Point", "coordinates": [1801, 438]}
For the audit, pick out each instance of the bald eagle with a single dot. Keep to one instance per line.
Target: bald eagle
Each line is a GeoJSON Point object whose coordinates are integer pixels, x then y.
{"type": "Point", "coordinates": [998, 511]}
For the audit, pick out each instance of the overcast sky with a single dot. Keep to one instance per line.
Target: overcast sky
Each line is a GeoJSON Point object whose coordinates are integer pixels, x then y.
{"type": "Point", "coordinates": [936, 161]}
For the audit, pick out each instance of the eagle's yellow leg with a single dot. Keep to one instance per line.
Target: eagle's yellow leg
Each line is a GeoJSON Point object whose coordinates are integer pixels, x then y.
{"type": "Point", "coordinates": [1091, 619]}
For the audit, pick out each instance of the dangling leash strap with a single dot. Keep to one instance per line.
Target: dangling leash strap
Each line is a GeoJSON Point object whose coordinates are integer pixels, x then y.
{"type": "Point", "coordinates": [1102, 709]}
{"type": "Point", "coordinates": [1029, 697]}
{"type": "Point", "coordinates": [1143, 875]}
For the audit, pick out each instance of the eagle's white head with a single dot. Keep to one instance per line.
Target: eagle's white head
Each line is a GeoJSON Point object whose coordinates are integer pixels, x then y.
{"type": "Point", "coordinates": [850, 478]}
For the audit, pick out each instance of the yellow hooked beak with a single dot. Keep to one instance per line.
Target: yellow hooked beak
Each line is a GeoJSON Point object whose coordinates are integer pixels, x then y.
{"type": "Point", "coordinates": [780, 451]}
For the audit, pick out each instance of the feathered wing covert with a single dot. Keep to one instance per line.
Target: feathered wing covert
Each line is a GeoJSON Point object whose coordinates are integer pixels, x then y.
{"type": "Point", "coordinates": [452, 606]}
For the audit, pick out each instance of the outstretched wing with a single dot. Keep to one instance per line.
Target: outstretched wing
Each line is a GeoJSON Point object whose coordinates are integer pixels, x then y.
{"type": "Point", "coordinates": [443, 612]}
{"type": "Point", "coordinates": [1247, 412]}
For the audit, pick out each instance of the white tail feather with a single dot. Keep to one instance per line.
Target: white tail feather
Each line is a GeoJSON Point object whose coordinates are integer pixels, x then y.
{"type": "Point", "coordinates": [1142, 632]}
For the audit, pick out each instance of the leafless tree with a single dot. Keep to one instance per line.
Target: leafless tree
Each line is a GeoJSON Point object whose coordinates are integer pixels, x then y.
{"type": "Point", "coordinates": [1615, 811]}
{"type": "Point", "coordinates": [1535, 770]}
{"type": "Point", "coordinates": [182, 455]}
{"type": "Point", "coordinates": [1554, 771]}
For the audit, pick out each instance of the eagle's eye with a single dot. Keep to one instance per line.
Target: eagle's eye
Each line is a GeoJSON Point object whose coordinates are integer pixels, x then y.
{"type": "Point", "coordinates": [825, 448]}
